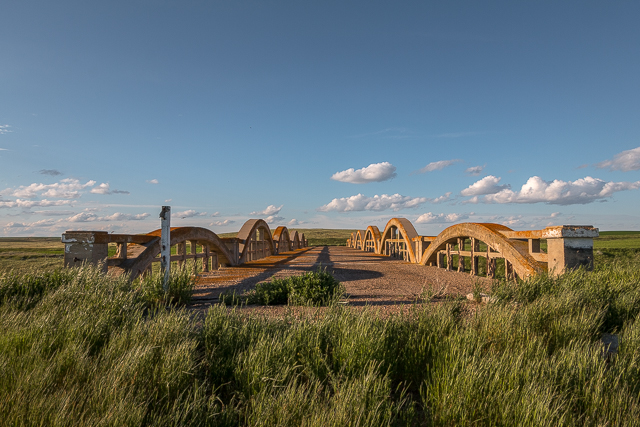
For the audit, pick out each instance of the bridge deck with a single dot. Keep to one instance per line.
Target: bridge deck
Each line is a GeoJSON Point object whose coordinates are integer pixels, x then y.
{"type": "Point", "coordinates": [369, 278]}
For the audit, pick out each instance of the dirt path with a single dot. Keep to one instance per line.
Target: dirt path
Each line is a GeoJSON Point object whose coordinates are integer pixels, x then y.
{"type": "Point", "coordinates": [369, 279]}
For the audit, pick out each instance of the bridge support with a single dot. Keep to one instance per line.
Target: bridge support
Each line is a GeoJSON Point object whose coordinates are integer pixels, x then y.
{"type": "Point", "coordinates": [85, 246]}
{"type": "Point", "coordinates": [569, 247]}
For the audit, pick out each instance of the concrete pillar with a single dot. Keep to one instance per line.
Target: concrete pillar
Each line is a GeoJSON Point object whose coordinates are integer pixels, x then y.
{"type": "Point", "coordinates": [85, 246]}
{"type": "Point", "coordinates": [569, 247]}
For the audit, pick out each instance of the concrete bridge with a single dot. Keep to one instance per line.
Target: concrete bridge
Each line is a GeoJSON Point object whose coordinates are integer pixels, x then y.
{"type": "Point", "coordinates": [567, 247]}
{"type": "Point", "coordinates": [474, 248]}
{"type": "Point", "coordinates": [136, 253]}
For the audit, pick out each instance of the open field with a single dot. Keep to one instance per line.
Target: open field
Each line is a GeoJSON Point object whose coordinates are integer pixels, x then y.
{"type": "Point", "coordinates": [78, 348]}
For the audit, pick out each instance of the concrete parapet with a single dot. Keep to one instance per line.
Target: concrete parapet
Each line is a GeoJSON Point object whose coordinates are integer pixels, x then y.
{"type": "Point", "coordinates": [85, 247]}
{"type": "Point", "coordinates": [569, 247]}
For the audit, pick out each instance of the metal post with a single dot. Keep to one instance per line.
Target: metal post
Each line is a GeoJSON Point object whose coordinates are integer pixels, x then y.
{"type": "Point", "coordinates": [165, 244]}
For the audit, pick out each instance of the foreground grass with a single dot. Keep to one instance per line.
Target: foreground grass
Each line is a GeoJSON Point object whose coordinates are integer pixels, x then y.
{"type": "Point", "coordinates": [78, 348]}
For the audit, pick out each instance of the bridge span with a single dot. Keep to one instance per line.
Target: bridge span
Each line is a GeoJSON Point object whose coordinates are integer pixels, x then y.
{"type": "Point", "coordinates": [474, 249]}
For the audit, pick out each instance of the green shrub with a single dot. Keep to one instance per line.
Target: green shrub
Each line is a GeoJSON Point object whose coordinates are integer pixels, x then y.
{"type": "Point", "coordinates": [315, 288]}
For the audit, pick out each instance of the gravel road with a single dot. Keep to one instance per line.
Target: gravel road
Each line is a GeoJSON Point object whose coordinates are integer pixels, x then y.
{"type": "Point", "coordinates": [370, 280]}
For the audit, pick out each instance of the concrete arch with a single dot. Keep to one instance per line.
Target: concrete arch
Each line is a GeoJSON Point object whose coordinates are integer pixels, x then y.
{"type": "Point", "coordinates": [142, 255]}
{"type": "Point", "coordinates": [516, 252]}
{"type": "Point", "coordinates": [295, 240]}
{"type": "Point", "coordinates": [247, 238]}
{"type": "Point", "coordinates": [372, 239]}
{"type": "Point", "coordinates": [359, 236]}
{"type": "Point", "coordinates": [281, 239]}
{"type": "Point", "coordinates": [393, 244]}
{"type": "Point", "coordinates": [303, 241]}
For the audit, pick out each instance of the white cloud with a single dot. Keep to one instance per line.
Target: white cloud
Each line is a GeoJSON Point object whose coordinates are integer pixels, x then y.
{"type": "Point", "coordinates": [54, 213]}
{"type": "Point", "coordinates": [4, 129]}
{"type": "Point", "coordinates": [222, 223]}
{"type": "Point", "coordinates": [215, 214]}
{"type": "Point", "coordinates": [430, 218]}
{"type": "Point", "coordinates": [104, 188]}
{"type": "Point", "coordinates": [51, 172]}
{"type": "Point", "coordinates": [189, 214]}
{"type": "Point", "coordinates": [68, 188]}
{"type": "Point", "coordinates": [270, 210]}
{"type": "Point", "coordinates": [21, 225]}
{"type": "Point", "coordinates": [435, 166]}
{"type": "Point", "coordinates": [124, 217]}
{"type": "Point", "coordinates": [444, 198]}
{"type": "Point", "coordinates": [361, 202]}
{"type": "Point", "coordinates": [555, 214]}
{"type": "Point", "coordinates": [26, 204]}
{"type": "Point", "coordinates": [558, 192]}
{"type": "Point", "coordinates": [294, 222]}
{"type": "Point", "coordinates": [153, 181]}
{"type": "Point", "coordinates": [83, 217]}
{"type": "Point", "coordinates": [474, 170]}
{"type": "Point", "coordinates": [626, 161]}
{"type": "Point", "coordinates": [91, 217]}
{"type": "Point", "coordinates": [4, 149]}
{"type": "Point", "coordinates": [487, 185]}
{"type": "Point", "coordinates": [271, 219]}
{"type": "Point", "coordinates": [375, 172]}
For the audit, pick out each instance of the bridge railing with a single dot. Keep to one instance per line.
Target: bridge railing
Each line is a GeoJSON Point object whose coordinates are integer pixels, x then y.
{"type": "Point", "coordinates": [136, 253]}
{"type": "Point", "coordinates": [568, 247]}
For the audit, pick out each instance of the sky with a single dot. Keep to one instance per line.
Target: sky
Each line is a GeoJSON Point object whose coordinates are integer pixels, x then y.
{"type": "Point", "coordinates": [318, 114]}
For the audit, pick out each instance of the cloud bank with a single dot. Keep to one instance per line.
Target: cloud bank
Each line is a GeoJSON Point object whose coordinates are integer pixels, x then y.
{"type": "Point", "coordinates": [558, 192]}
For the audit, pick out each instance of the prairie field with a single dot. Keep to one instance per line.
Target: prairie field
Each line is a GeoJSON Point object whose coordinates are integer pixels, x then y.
{"type": "Point", "coordinates": [79, 348]}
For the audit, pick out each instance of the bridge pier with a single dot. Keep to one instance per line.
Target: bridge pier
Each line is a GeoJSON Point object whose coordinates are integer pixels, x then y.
{"type": "Point", "coordinates": [569, 247]}
{"type": "Point", "coordinates": [86, 246]}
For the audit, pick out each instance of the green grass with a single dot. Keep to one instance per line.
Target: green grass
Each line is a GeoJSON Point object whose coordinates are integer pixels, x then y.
{"type": "Point", "coordinates": [78, 348]}
{"type": "Point", "coordinates": [315, 288]}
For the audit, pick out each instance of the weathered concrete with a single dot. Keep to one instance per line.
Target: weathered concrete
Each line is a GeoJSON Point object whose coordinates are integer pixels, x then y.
{"type": "Point", "coordinates": [136, 253]}
{"type": "Point", "coordinates": [569, 247]}
{"type": "Point", "coordinates": [85, 247]}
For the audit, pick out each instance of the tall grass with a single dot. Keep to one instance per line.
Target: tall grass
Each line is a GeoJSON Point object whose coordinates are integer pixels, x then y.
{"type": "Point", "coordinates": [78, 348]}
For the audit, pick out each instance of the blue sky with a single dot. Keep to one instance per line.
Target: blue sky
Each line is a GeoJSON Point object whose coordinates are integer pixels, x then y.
{"type": "Point", "coordinates": [318, 115]}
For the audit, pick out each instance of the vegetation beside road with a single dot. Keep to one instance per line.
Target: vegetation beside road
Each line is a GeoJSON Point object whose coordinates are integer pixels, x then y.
{"type": "Point", "coordinates": [80, 348]}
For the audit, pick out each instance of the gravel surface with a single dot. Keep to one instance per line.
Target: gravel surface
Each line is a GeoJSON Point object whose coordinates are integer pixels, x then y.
{"type": "Point", "coordinates": [388, 284]}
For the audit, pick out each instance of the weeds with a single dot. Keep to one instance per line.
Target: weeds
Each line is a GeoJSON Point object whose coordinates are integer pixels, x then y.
{"type": "Point", "coordinates": [81, 348]}
{"type": "Point", "coordinates": [179, 287]}
{"type": "Point", "coordinates": [315, 288]}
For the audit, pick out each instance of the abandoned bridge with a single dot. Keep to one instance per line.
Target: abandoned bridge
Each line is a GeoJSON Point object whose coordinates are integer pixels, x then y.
{"type": "Point", "coordinates": [383, 266]}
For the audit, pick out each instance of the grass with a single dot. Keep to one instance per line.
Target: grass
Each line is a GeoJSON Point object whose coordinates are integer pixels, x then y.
{"type": "Point", "coordinates": [78, 348]}
{"type": "Point", "coordinates": [315, 288]}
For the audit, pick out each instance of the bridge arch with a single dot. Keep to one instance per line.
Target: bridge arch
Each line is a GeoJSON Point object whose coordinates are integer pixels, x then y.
{"type": "Point", "coordinates": [515, 252]}
{"type": "Point", "coordinates": [295, 240]}
{"type": "Point", "coordinates": [359, 239]}
{"type": "Point", "coordinates": [255, 241]}
{"type": "Point", "coordinates": [397, 239]}
{"type": "Point", "coordinates": [372, 239]}
{"type": "Point", "coordinates": [140, 256]}
{"type": "Point", "coordinates": [281, 239]}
